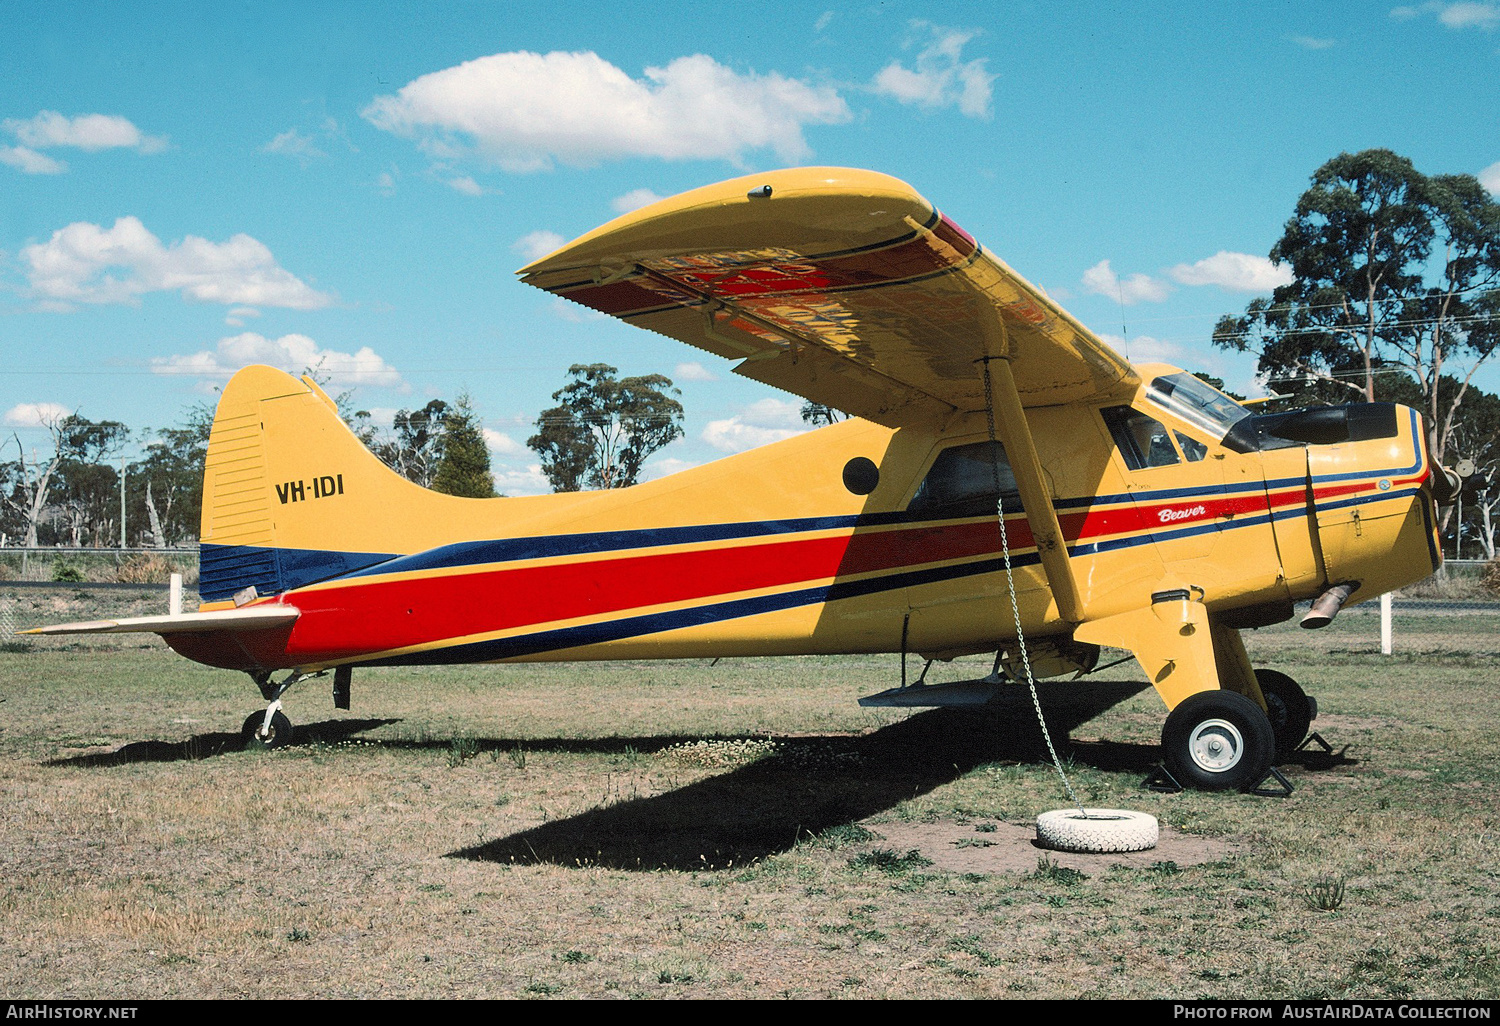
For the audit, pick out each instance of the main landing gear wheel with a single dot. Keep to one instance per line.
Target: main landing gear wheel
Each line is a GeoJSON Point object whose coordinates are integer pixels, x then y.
{"type": "Point", "coordinates": [1218, 741]}
{"type": "Point", "coordinates": [256, 736]}
{"type": "Point", "coordinates": [1096, 830]}
{"type": "Point", "coordinates": [1288, 708]}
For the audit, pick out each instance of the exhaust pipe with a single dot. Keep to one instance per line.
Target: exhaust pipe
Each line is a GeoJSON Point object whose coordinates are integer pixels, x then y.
{"type": "Point", "coordinates": [1328, 605]}
{"type": "Point", "coordinates": [1446, 484]}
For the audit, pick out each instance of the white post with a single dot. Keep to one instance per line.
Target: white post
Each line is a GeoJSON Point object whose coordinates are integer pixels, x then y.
{"type": "Point", "coordinates": [122, 500]}
{"type": "Point", "coordinates": [1385, 624]}
{"type": "Point", "coordinates": [174, 599]}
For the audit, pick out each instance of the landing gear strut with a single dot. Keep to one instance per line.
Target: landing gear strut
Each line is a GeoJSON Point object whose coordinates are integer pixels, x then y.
{"type": "Point", "coordinates": [271, 728]}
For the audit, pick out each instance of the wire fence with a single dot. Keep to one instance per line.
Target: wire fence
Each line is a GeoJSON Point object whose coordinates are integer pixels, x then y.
{"type": "Point", "coordinates": [81, 565]}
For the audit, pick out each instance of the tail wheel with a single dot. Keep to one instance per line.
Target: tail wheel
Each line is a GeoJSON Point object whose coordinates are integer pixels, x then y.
{"type": "Point", "coordinates": [1218, 741]}
{"type": "Point", "coordinates": [257, 736]}
{"type": "Point", "coordinates": [1288, 708]}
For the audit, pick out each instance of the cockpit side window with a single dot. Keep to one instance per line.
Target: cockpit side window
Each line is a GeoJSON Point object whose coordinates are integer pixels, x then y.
{"type": "Point", "coordinates": [961, 483]}
{"type": "Point", "coordinates": [1193, 449]}
{"type": "Point", "coordinates": [1143, 440]}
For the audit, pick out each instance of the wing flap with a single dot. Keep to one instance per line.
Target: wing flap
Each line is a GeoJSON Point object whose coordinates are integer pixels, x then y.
{"type": "Point", "coordinates": [844, 287]}
{"type": "Point", "coordinates": [254, 618]}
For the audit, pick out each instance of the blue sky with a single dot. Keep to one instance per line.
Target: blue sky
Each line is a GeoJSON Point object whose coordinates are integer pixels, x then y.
{"type": "Point", "coordinates": [187, 188]}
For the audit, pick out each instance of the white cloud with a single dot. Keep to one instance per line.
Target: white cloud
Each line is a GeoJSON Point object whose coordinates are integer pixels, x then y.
{"type": "Point", "coordinates": [30, 161]}
{"type": "Point", "coordinates": [1146, 349]}
{"type": "Point", "coordinates": [295, 354]}
{"type": "Point", "coordinates": [79, 264]}
{"type": "Point", "coordinates": [763, 421]}
{"type": "Point", "coordinates": [940, 78]}
{"type": "Point", "coordinates": [1313, 42]}
{"type": "Point", "coordinates": [693, 371]}
{"type": "Point", "coordinates": [86, 132]}
{"type": "Point", "coordinates": [1461, 15]}
{"type": "Point", "coordinates": [1490, 179]}
{"type": "Point", "coordinates": [466, 185]}
{"type": "Point", "coordinates": [501, 443]}
{"type": "Point", "coordinates": [823, 21]}
{"type": "Point", "coordinates": [1103, 281]}
{"type": "Point", "coordinates": [35, 414]}
{"type": "Point", "coordinates": [293, 143]}
{"type": "Point", "coordinates": [665, 466]}
{"type": "Point", "coordinates": [635, 199]}
{"type": "Point", "coordinates": [1234, 272]}
{"type": "Point", "coordinates": [235, 318]}
{"type": "Point", "coordinates": [523, 110]}
{"type": "Point", "coordinates": [566, 310]}
{"type": "Point", "coordinates": [527, 480]}
{"type": "Point", "coordinates": [382, 416]}
{"type": "Point", "coordinates": [537, 244]}
{"type": "Point", "coordinates": [1470, 15]}
{"type": "Point", "coordinates": [385, 183]}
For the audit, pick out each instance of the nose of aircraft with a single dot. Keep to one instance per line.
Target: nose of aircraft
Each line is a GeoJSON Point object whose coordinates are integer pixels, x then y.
{"type": "Point", "coordinates": [1372, 501]}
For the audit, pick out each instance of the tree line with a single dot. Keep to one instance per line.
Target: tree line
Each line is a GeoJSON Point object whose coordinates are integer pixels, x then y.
{"type": "Point", "coordinates": [68, 491]}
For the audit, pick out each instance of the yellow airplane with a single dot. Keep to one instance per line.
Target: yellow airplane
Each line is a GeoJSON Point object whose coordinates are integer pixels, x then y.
{"type": "Point", "coordinates": [1142, 509]}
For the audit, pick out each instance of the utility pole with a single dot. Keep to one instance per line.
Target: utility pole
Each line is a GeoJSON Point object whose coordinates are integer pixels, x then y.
{"type": "Point", "coordinates": [122, 500]}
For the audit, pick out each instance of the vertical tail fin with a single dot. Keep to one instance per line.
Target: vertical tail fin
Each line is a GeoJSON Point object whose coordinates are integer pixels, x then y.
{"type": "Point", "coordinates": [291, 496]}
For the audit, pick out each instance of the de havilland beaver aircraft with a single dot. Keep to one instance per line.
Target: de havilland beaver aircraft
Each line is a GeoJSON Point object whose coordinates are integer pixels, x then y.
{"type": "Point", "coordinates": [1142, 509]}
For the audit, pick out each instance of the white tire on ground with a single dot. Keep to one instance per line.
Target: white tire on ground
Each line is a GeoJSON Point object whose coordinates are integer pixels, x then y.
{"type": "Point", "coordinates": [1096, 830]}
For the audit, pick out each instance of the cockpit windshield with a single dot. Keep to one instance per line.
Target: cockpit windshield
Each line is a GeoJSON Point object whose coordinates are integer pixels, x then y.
{"type": "Point", "coordinates": [1197, 403]}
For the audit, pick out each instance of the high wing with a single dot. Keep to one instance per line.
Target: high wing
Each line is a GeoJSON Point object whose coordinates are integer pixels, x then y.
{"type": "Point", "coordinates": [842, 286]}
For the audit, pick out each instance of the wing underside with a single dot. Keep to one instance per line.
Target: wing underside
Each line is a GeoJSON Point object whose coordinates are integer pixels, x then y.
{"type": "Point", "coordinates": [844, 287]}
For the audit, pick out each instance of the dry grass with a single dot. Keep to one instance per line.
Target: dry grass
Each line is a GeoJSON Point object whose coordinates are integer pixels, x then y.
{"type": "Point", "coordinates": [682, 830]}
{"type": "Point", "coordinates": [100, 566]}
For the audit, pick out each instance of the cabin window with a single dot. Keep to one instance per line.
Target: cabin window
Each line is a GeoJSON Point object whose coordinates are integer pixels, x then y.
{"type": "Point", "coordinates": [1142, 439]}
{"type": "Point", "coordinates": [1193, 449]}
{"type": "Point", "coordinates": [961, 483]}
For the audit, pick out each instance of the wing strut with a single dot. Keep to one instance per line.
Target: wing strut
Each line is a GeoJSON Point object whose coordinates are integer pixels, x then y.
{"type": "Point", "coordinates": [1015, 432]}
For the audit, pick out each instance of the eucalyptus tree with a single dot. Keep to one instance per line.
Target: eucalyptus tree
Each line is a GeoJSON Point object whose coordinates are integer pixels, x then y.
{"type": "Point", "coordinates": [1393, 273]}
{"type": "Point", "coordinates": [604, 428]}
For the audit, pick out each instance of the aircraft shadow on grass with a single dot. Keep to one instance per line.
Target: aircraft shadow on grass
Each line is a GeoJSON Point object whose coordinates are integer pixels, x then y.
{"type": "Point", "coordinates": [815, 783]}
{"type": "Point", "coordinates": [732, 819]}
{"type": "Point", "coordinates": [207, 746]}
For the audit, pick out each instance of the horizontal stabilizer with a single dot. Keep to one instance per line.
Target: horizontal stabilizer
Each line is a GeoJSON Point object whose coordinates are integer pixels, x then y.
{"type": "Point", "coordinates": [254, 618]}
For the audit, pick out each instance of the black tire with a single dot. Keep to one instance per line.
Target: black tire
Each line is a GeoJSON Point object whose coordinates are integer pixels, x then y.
{"type": "Point", "coordinates": [1218, 741]}
{"type": "Point", "coordinates": [1287, 707]}
{"type": "Point", "coordinates": [279, 736]}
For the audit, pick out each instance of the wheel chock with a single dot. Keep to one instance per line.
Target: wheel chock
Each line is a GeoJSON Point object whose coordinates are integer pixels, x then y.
{"type": "Point", "coordinates": [1281, 789]}
{"type": "Point", "coordinates": [1315, 739]}
{"type": "Point", "coordinates": [1161, 780]}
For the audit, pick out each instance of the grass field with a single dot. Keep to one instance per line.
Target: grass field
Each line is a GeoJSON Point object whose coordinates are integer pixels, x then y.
{"type": "Point", "coordinates": [732, 830]}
